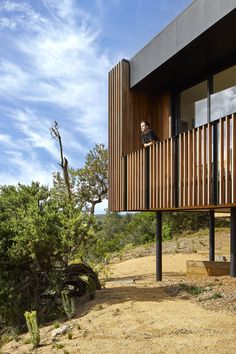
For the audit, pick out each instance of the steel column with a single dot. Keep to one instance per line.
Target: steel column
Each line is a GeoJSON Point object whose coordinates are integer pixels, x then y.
{"type": "Point", "coordinates": [211, 235]}
{"type": "Point", "coordinates": [159, 246]}
{"type": "Point", "coordinates": [233, 242]}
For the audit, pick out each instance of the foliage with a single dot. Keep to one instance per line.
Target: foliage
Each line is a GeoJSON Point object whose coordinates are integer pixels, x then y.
{"type": "Point", "coordinates": [191, 289]}
{"type": "Point", "coordinates": [39, 236]}
{"type": "Point", "coordinates": [92, 179]}
{"type": "Point", "coordinates": [88, 184]}
{"type": "Point", "coordinates": [32, 325]}
{"type": "Point", "coordinates": [91, 288]}
{"type": "Point", "coordinates": [68, 304]}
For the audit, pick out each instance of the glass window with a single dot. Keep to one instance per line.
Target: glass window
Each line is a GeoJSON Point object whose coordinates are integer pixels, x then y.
{"type": "Point", "coordinates": [193, 107]}
{"type": "Point", "coordinates": [223, 99]}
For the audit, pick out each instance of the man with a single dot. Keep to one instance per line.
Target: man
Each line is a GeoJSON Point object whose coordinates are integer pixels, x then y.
{"type": "Point", "coordinates": [148, 137]}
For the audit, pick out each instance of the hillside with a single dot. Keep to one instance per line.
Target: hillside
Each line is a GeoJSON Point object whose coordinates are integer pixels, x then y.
{"type": "Point", "coordinates": [135, 314]}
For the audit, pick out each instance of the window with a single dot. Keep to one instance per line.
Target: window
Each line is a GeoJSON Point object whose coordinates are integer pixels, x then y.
{"type": "Point", "coordinates": [193, 107]}
{"type": "Point", "coordinates": [223, 99]}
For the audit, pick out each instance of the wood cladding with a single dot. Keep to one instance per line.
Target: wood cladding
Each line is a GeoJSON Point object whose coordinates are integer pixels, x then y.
{"type": "Point", "coordinates": [191, 170]}
{"type": "Point", "coordinates": [192, 177]}
{"type": "Point", "coordinates": [127, 108]}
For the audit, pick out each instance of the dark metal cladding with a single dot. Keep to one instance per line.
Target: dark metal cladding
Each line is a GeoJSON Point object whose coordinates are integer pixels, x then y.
{"type": "Point", "coordinates": [199, 40]}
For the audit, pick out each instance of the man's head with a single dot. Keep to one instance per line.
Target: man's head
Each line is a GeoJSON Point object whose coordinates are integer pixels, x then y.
{"type": "Point", "coordinates": [144, 126]}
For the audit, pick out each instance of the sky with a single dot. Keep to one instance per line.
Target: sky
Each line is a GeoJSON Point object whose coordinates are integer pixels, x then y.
{"type": "Point", "coordinates": [55, 56]}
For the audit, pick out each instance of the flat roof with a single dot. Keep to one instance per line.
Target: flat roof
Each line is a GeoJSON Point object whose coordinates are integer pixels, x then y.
{"type": "Point", "coordinates": [196, 19]}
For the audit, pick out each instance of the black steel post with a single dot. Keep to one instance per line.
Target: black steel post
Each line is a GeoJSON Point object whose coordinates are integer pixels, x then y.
{"type": "Point", "coordinates": [211, 235]}
{"type": "Point", "coordinates": [233, 242]}
{"type": "Point", "coordinates": [159, 246]}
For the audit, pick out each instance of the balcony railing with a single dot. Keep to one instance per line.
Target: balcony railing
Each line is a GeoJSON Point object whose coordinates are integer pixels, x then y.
{"type": "Point", "coordinates": [193, 169]}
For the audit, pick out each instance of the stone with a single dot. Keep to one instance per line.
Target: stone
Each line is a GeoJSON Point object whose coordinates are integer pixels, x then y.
{"type": "Point", "coordinates": [57, 332]}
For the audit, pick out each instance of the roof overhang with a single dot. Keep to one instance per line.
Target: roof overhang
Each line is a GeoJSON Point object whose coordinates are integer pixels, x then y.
{"type": "Point", "coordinates": [200, 41]}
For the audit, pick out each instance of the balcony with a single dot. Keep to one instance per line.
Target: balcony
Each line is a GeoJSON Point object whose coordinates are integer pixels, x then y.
{"type": "Point", "coordinates": [193, 170]}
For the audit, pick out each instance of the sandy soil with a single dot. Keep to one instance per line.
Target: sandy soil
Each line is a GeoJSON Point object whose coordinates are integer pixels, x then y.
{"type": "Point", "coordinates": [136, 314]}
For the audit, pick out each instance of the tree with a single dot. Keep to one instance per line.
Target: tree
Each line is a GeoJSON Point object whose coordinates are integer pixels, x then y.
{"type": "Point", "coordinates": [86, 186]}
{"type": "Point", "coordinates": [39, 234]}
{"type": "Point", "coordinates": [64, 162]}
{"type": "Point", "coordinates": [92, 179]}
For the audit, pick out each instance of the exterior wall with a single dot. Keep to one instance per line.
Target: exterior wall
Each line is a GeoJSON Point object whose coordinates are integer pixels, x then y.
{"type": "Point", "coordinates": [126, 109]}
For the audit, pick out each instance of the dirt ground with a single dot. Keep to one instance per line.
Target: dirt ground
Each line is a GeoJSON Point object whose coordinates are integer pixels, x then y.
{"type": "Point", "coordinates": [135, 314]}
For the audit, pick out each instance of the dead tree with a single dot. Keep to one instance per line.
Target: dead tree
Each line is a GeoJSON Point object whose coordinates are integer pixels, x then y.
{"type": "Point", "coordinates": [54, 130]}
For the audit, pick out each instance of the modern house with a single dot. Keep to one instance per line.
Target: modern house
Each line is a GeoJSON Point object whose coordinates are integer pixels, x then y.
{"type": "Point", "coordinates": [184, 83]}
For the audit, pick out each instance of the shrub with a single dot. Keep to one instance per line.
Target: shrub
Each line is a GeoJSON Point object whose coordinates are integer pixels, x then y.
{"type": "Point", "coordinates": [68, 304]}
{"type": "Point", "coordinates": [32, 325]}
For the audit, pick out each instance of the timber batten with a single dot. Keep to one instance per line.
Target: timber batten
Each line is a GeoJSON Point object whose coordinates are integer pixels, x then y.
{"type": "Point", "coordinates": [152, 175]}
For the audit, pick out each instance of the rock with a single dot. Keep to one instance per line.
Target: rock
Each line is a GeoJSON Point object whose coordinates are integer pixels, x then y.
{"type": "Point", "coordinates": [59, 331]}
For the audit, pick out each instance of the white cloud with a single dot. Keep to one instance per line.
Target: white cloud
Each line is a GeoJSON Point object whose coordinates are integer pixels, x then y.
{"type": "Point", "coordinates": [57, 72]}
{"type": "Point", "coordinates": [27, 168]}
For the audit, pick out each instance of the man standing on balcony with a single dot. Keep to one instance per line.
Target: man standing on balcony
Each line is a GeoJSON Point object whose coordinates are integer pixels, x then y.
{"type": "Point", "coordinates": [148, 137]}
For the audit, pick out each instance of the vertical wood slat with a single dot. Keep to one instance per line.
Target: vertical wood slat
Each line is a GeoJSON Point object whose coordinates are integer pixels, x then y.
{"type": "Point", "coordinates": [194, 166]}
{"type": "Point", "coordinates": [172, 173]}
{"type": "Point", "coordinates": [227, 160]}
{"type": "Point", "coordinates": [190, 168]}
{"type": "Point", "coordinates": [204, 165]}
{"type": "Point", "coordinates": [115, 132]}
{"type": "Point", "coordinates": [209, 164]}
{"type": "Point", "coordinates": [221, 162]}
{"type": "Point", "coordinates": [150, 176]}
{"type": "Point", "coordinates": [138, 180]}
{"type": "Point", "coordinates": [181, 170]}
{"type": "Point", "coordinates": [157, 175]}
{"type": "Point", "coordinates": [141, 179]}
{"type": "Point", "coordinates": [164, 173]}
{"type": "Point", "coordinates": [185, 169]}
{"type": "Point", "coordinates": [160, 175]}
{"type": "Point", "coordinates": [199, 166]}
{"type": "Point", "coordinates": [168, 173]}
{"type": "Point", "coordinates": [233, 171]}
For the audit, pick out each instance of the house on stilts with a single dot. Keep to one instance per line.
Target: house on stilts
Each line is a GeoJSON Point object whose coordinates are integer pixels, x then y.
{"type": "Point", "coordinates": [184, 83]}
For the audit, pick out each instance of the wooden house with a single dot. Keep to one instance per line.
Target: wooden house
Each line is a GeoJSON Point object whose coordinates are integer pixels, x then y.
{"type": "Point", "coordinates": [184, 83]}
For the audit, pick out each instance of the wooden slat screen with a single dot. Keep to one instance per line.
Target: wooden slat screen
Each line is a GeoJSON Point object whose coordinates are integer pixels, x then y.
{"type": "Point", "coordinates": [195, 170]}
{"type": "Point", "coordinates": [149, 179]}
{"type": "Point", "coordinates": [196, 164]}
{"type": "Point", "coordinates": [118, 85]}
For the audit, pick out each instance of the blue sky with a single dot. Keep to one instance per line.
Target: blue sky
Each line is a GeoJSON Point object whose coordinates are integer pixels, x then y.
{"type": "Point", "coordinates": [54, 59]}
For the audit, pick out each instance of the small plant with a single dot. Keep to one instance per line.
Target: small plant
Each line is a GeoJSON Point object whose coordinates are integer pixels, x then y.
{"type": "Point", "coordinates": [98, 307]}
{"type": "Point", "coordinates": [27, 341]}
{"type": "Point", "coordinates": [56, 324]}
{"type": "Point", "coordinates": [91, 288]}
{"type": "Point", "coordinates": [216, 295]}
{"type": "Point", "coordinates": [70, 335]}
{"type": "Point", "coordinates": [78, 327]}
{"type": "Point", "coordinates": [66, 351]}
{"type": "Point", "coordinates": [177, 245]}
{"type": "Point", "coordinates": [32, 325]}
{"type": "Point", "coordinates": [191, 289]}
{"type": "Point", "coordinates": [68, 304]}
{"type": "Point", "coordinates": [58, 346]}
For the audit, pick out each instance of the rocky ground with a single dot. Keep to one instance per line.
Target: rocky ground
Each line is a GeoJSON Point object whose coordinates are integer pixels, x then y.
{"type": "Point", "coordinates": [136, 314]}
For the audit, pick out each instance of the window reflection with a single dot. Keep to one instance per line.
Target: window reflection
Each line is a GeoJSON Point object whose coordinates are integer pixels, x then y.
{"type": "Point", "coordinates": [223, 99]}
{"type": "Point", "coordinates": [193, 107]}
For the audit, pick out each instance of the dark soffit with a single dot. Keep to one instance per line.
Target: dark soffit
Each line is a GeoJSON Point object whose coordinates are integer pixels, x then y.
{"type": "Point", "coordinates": [208, 53]}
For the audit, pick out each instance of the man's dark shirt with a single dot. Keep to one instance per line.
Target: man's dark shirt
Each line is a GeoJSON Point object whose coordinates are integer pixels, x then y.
{"type": "Point", "coordinates": [148, 136]}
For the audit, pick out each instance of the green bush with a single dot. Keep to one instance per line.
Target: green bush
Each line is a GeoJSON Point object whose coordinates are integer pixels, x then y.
{"type": "Point", "coordinates": [38, 235]}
